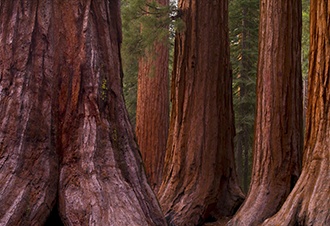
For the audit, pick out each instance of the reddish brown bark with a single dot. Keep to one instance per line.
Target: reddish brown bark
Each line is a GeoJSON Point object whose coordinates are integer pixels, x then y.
{"type": "Point", "coordinates": [102, 180]}
{"type": "Point", "coordinates": [152, 110]}
{"type": "Point", "coordinates": [200, 180]}
{"type": "Point", "coordinates": [28, 161]}
{"type": "Point", "coordinates": [61, 95]}
{"type": "Point", "coordinates": [278, 126]}
{"type": "Point", "coordinates": [309, 202]}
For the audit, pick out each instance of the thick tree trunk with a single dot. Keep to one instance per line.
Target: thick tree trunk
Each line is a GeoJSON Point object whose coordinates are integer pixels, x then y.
{"type": "Point", "coordinates": [152, 111]}
{"type": "Point", "coordinates": [278, 130]}
{"type": "Point", "coordinates": [102, 180]}
{"type": "Point", "coordinates": [61, 92]}
{"type": "Point", "coordinates": [28, 160]}
{"type": "Point", "coordinates": [309, 202]}
{"type": "Point", "coordinates": [200, 179]}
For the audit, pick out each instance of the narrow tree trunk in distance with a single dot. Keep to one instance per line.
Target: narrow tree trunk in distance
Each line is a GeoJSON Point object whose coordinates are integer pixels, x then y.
{"type": "Point", "coordinates": [28, 160]}
{"type": "Point", "coordinates": [200, 180]}
{"type": "Point", "coordinates": [247, 170]}
{"type": "Point", "coordinates": [309, 202]}
{"type": "Point", "coordinates": [278, 130]}
{"type": "Point", "coordinates": [239, 150]}
{"type": "Point", "coordinates": [152, 111]}
{"type": "Point", "coordinates": [102, 180]}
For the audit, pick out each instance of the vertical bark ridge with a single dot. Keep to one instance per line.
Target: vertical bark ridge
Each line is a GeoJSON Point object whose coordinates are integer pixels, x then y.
{"type": "Point", "coordinates": [152, 113]}
{"type": "Point", "coordinates": [28, 160]}
{"type": "Point", "coordinates": [199, 174]}
{"type": "Point", "coordinates": [308, 203]}
{"type": "Point", "coordinates": [102, 181]}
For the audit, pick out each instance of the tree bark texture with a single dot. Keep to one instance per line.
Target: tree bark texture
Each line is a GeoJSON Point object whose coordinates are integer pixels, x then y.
{"type": "Point", "coordinates": [278, 126]}
{"type": "Point", "coordinates": [61, 91]}
{"type": "Point", "coordinates": [28, 160]}
{"type": "Point", "coordinates": [199, 179]}
{"type": "Point", "coordinates": [309, 202]}
{"type": "Point", "coordinates": [152, 112]}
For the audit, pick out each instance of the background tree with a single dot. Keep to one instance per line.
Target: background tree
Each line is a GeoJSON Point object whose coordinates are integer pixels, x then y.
{"type": "Point", "coordinates": [156, 19]}
{"type": "Point", "coordinates": [65, 93]}
{"type": "Point", "coordinates": [152, 112]}
{"type": "Point", "coordinates": [309, 202]}
{"type": "Point", "coordinates": [305, 53]}
{"type": "Point", "coordinates": [278, 132]}
{"type": "Point", "coordinates": [243, 24]}
{"type": "Point", "coordinates": [200, 181]}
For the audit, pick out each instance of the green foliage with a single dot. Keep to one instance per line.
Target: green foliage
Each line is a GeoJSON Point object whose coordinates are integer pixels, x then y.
{"type": "Point", "coordinates": [144, 23]}
{"type": "Point", "coordinates": [243, 30]}
{"type": "Point", "coordinates": [305, 38]}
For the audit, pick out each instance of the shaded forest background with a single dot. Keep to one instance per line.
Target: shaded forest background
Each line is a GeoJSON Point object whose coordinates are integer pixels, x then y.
{"type": "Point", "coordinates": [243, 31]}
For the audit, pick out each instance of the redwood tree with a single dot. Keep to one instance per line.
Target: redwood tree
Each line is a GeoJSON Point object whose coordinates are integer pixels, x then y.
{"type": "Point", "coordinates": [278, 126]}
{"type": "Point", "coordinates": [61, 99]}
{"type": "Point", "coordinates": [152, 109]}
{"type": "Point", "coordinates": [199, 181]}
{"type": "Point", "coordinates": [28, 160]}
{"type": "Point", "coordinates": [309, 202]}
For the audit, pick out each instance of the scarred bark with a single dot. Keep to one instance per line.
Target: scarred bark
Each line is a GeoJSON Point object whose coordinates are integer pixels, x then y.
{"type": "Point", "coordinates": [200, 180]}
{"type": "Point", "coordinates": [28, 161]}
{"type": "Point", "coordinates": [278, 126]}
{"type": "Point", "coordinates": [309, 202]}
{"type": "Point", "coordinates": [152, 110]}
{"type": "Point", "coordinates": [62, 108]}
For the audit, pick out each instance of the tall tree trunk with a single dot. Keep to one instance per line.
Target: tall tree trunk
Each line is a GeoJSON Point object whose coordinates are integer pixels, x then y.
{"type": "Point", "coordinates": [102, 180]}
{"type": "Point", "coordinates": [61, 90]}
{"type": "Point", "coordinates": [309, 202]}
{"type": "Point", "coordinates": [28, 160]}
{"type": "Point", "coordinates": [200, 179]}
{"type": "Point", "coordinates": [152, 111]}
{"type": "Point", "coordinates": [278, 130]}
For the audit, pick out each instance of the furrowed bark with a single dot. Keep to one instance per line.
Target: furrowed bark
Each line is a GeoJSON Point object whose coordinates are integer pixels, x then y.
{"type": "Point", "coordinates": [309, 202]}
{"type": "Point", "coordinates": [28, 160]}
{"type": "Point", "coordinates": [278, 126]}
{"type": "Point", "coordinates": [152, 110]}
{"type": "Point", "coordinates": [102, 181]}
{"type": "Point", "coordinates": [199, 180]}
{"type": "Point", "coordinates": [62, 111]}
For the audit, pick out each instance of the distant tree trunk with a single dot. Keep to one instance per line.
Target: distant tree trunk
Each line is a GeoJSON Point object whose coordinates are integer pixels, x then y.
{"type": "Point", "coordinates": [278, 130]}
{"type": "Point", "coordinates": [309, 202]}
{"type": "Point", "coordinates": [152, 112]}
{"type": "Point", "coordinates": [247, 170]}
{"type": "Point", "coordinates": [200, 180]}
{"type": "Point", "coordinates": [28, 160]}
{"type": "Point", "coordinates": [61, 90]}
{"type": "Point", "coordinates": [239, 150]}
